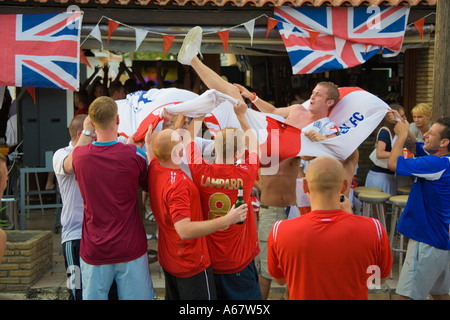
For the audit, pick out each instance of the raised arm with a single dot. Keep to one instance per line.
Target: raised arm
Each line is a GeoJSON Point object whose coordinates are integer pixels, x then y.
{"type": "Point", "coordinates": [410, 143]}
{"type": "Point", "coordinates": [401, 129]}
{"type": "Point", "coordinates": [262, 105]}
{"type": "Point", "coordinates": [148, 143]}
{"type": "Point", "coordinates": [251, 142]}
{"type": "Point", "coordinates": [121, 70]}
{"type": "Point", "coordinates": [82, 140]}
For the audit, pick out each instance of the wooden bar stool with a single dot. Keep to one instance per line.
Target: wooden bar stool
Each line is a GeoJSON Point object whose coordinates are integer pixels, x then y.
{"type": "Point", "coordinates": [398, 204]}
{"type": "Point", "coordinates": [374, 201]}
{"type": "Point", "coordinates": [360, 189]}
{"type": "Point", "coordinates": [403, 190]}
{"type": "Point", "coordinates": [356, 191]}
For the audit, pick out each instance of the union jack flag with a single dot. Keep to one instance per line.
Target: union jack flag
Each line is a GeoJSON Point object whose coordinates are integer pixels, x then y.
{"type": "Point", "coordinates": [320, 39]}
{"type": "Point", "coordinates": [40, 50]}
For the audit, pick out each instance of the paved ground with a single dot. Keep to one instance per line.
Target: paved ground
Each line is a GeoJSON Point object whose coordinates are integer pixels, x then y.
{"type": "Point", "coordinates": [52, 286]}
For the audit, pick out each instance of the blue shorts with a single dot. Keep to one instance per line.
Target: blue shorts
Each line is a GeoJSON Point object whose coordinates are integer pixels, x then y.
{"type": "Point", "coordinates": [132, 278]}
{"type": "Point", "coordinates": [243, 285]}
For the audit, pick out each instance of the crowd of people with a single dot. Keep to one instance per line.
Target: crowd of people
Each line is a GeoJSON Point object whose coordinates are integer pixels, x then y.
{"type": "Point", "coordinates": [210, 249]}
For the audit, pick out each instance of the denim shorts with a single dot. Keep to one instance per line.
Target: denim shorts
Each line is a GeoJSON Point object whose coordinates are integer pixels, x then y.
{"type": "Point", "coordinates": [132, 278]}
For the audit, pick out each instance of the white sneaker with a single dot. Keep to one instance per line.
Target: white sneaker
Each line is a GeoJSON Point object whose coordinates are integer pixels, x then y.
{"type": "Point", "coordinates": [191, 46]}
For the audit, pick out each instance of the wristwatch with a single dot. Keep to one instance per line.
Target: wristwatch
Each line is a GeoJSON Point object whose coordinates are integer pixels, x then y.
{"type": "Point", "coordinates": [86, 132]}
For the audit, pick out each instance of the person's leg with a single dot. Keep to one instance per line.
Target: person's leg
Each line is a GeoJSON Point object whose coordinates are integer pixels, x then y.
{"type": "Point", "coordinates": [171, 287]}
{"type": "Point", "coordinates": [97, 280]}
{"type": "Point", "coordinates": [242, 285]}
{"type": "Point", "coordinates": [133, 279]}
{"type": "Point", "coordinates": [441, 288]}
{"type": "Point", "coordinates": [267, 218]}
{"type": "Point", "coordinates": [214, 81]}
{"type": "Point", "coordinates": [198, 287]}
{"type": "Point", "coordinates": [188, 56]}
{"type": "Point", "coordinates": [71, 253]}
{"type": "Point", "coordinates": [425, 271]}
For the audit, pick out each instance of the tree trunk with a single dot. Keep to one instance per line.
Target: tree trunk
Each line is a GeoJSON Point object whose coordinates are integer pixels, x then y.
{"type": "Point", "coordinates": [441, 96]}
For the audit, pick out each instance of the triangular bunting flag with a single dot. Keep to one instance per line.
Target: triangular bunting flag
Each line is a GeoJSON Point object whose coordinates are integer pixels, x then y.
{"type": "Point", "coordinates": [288, 28]}
{"type": "Point", "coordinates": [83, 58]}
{"type": "Point", "coordinates": [313, 36]}
{"type": "Point", "coordinates": [224, 34]}
{"type": "Point", "coordinates": [112, 25]}
{"type": "Point", "coordinates": [32, 93]}
{"type": "Point", "coordinates": [271, 23]}
{"type": "Point", "coordinates": [140, 36]}
{"type": "Point", "coordinates": [419, 25]}
{"type": "Point", "coordinates": [250, 26]}
{"type": "Point", "coordinates": [96, 34]}
{"type": "Point", "coordinates": [168, 39]}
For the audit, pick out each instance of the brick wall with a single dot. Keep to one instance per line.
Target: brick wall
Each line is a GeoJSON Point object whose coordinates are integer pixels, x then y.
{"type": "Point", "coordinates": [27, 258]}
{"type": "Point", "coordinates": [425, 78]}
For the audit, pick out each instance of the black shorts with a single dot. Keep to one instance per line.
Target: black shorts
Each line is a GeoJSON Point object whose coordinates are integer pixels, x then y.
{"type": "Point", "coordinates": [198, 287]}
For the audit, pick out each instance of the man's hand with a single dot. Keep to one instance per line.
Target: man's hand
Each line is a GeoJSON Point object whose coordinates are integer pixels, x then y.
{"type": "Point", "coordinates": [393, 116]}
{"type": "Point", "coordinates": [244, 92]}
{"type": "Point", "coordinates": [139, 144]}
{"type": "Point", "coordinates": [87, 125]}
{"type": "Point", "coordinates": [240, 109]}
{"type": "Point", "coordinates": [401, 128]}
{"type": "Point", "coordinates": [346, 205]}
{"type": "Point", "coordinates": [236, 215]}
{"type": "Point", "coordinates": [167, 122]}
{"type": "Point", "coordinates": [314, 136]}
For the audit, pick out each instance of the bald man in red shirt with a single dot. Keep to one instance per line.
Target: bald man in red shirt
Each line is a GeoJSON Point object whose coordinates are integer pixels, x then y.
{"type": "Point", "coordinates": [329, 253]}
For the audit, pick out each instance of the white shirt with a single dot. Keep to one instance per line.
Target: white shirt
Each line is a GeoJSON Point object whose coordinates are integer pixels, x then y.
{"type": "Point", "coordinates": [323, 126]}
{"type": "Point", "coordinates": [73, 205]}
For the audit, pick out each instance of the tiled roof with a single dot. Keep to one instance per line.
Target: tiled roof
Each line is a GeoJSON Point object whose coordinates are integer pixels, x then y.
{"type": "Point", "coordinates": [277, 3]}
{"type": "Point", "coordinates": [242, 3]}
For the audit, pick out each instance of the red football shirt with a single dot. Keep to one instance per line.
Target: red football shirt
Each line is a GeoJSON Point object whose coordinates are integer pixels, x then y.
{"type": "Point", "coordinates": [329, 255]}
{"type": "Point", "coordinates": [173, 196]}
{"type": "Point", "coordinates": [233, 248]}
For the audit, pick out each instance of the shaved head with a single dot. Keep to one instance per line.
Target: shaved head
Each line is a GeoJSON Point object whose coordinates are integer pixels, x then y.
{"type": "Point", "coordinates": [164, 142]}
{"type": "Point", "coordinates": [325, 175]}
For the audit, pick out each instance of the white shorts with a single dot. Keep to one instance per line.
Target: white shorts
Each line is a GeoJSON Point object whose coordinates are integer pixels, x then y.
{"type": "Point", "coordinates": [426, 270]}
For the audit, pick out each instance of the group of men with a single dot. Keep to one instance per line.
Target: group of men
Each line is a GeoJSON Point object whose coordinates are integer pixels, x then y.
{"type": "Point", "coordinates": [203, 249]}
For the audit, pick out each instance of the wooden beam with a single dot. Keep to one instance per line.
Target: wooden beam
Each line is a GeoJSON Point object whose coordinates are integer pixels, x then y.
{"type": "Point", "coordinates": [441, 94]}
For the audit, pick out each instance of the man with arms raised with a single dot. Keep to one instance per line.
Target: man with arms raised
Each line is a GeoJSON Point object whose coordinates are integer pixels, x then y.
{"type": "Point", "coordinates": [278, 196]}
{"type": "Point", "coordinates": [175, 200]}
{"type": "Point", "coordinates": [232, 249]}
{"type": "Point", "coordinates": [425, 220]}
